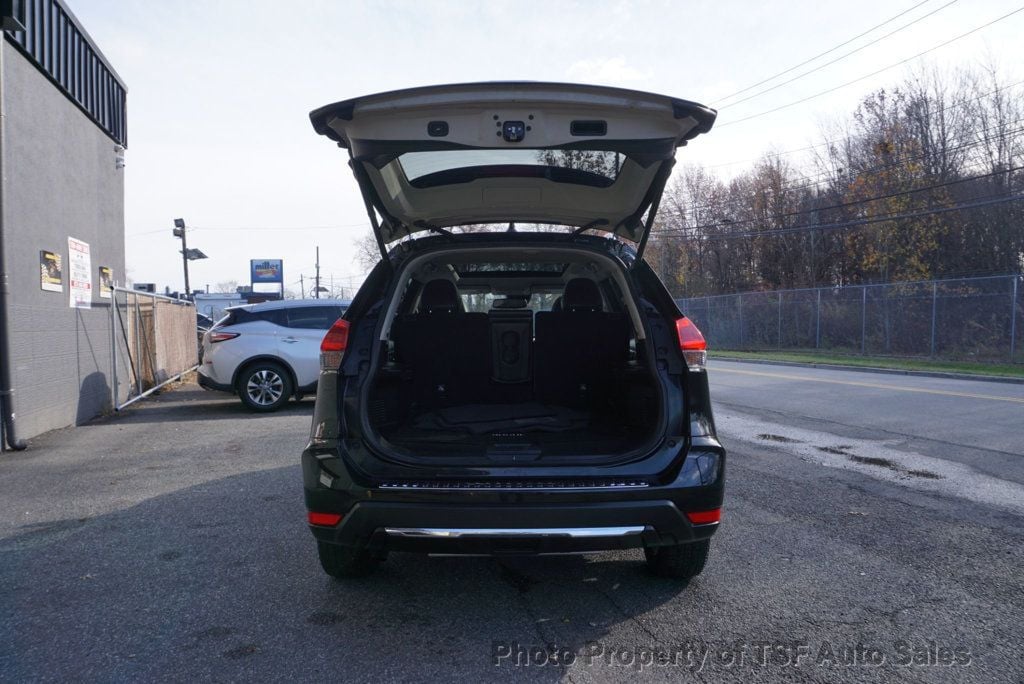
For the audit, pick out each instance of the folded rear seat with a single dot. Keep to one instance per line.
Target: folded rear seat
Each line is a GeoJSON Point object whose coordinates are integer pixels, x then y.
{"type": "Point", "coordinates": [447, 348]}
{"type": "Point", "coordinates": [575, 348]}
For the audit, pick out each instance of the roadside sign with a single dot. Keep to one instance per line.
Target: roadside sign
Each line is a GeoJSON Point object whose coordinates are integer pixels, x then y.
{"type": "Point", "coordinates": [80, 274]}
{"type": "Point", "coordinates": [267, 270]}
{"type": "Point", "coordinates": [50, 275]}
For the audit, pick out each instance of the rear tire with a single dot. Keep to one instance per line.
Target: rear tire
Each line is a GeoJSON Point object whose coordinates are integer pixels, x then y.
{"type": "Point", "coordinates": [346, 561]}
{"type": "Point", "coordinates": [264, 386]}
{"type": "Point", "coordinates": [679, 561]}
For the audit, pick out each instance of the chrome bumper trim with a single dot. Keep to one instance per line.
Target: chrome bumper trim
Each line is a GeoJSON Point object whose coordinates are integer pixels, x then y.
{"type": "Point", "coordinates": [572, 532]}
{"type": "Point", "coordinates": [543, 485]}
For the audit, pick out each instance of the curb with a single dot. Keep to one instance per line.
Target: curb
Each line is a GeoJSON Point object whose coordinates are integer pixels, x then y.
{"type": "Point", "coordinates": [872, 369]}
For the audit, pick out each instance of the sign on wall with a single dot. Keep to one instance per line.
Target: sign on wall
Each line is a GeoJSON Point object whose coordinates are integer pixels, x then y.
{"type": "Point", "coordinates": [79, 274]}
{"type": "Point", "coordinates": [267, 270]}
{"type": "Point", "coordinates": [106, 282]}
{"type": "Point", "coordinates": [51, 278]}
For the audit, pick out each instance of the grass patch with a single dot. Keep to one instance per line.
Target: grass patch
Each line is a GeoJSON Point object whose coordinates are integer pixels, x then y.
{"type": "Point", "coordinates": [1013, 370]}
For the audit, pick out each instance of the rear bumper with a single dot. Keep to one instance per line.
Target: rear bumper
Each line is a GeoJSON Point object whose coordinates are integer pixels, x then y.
{"type": "Point", "coordinates": [477, 519]}
{"type": "Point", "coordinates": [496, 530]}
{"type": "Point", "coordinates": [206, 382]}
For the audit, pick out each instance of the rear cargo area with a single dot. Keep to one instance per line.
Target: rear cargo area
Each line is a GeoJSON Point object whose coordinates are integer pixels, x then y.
{"type": "Point", "coordinates": [514, 384]}
{"type": "Point", "coordinates": [525, 430]}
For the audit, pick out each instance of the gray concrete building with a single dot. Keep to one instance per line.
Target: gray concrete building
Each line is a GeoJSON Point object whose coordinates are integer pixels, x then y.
{"type": "Point", "coordinates": [62, 143]}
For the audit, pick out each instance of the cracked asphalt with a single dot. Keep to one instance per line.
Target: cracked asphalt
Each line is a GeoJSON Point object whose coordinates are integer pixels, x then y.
{"type": "Point", "coordinates": [169, 544]}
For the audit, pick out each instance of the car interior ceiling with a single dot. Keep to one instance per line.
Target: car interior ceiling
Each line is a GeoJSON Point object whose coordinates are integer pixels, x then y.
{"type": "Point", "coordinates": [515, 356]}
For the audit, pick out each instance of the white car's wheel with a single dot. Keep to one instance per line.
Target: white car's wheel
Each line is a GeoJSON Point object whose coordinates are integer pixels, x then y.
{"type": "Point", "coordinates": [264, 386]}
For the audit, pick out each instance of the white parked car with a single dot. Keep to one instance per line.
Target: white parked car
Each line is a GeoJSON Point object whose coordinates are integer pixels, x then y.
{"type": "Point", "coordinates": [266, 353]}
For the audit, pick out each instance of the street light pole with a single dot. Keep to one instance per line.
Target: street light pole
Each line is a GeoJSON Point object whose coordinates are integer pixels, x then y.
{"type": "Point", "coordinates": [179, 231]}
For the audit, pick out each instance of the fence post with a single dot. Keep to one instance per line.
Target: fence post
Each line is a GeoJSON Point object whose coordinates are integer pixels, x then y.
{"type": "Point", "coordinates": [817, 322]}
{"type": "Point", "coordinates": [741, 319]}
{"type": "Point", "coordinates": [707, 309]}
{"type": "Point", "coordinates": [138, 347]}
{"type": "Point", "coordinates": [935, 297]}
{"type": "Point", "coordinates": [113, 349]}
{"type": "Point", "coordinates": [1013, 319]}
{"type": "Point", "coordinates": [863, 319]}
{"type": "Point", "coordinates": [780, 319]}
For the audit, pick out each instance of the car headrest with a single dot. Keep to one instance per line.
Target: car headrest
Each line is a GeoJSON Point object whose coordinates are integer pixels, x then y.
{"type": "Point", "coordinates": [557, 305]}
{"type": "Point", "coordinates": [581, 294]}
{"type": "Point", "coordinates": [439, 296]}
{"type": "Point", "coordinates": [512, 302]}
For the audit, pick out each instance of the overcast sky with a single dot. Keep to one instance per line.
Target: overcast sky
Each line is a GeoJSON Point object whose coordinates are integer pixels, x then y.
{"type": "Point", "coordinates": [219, 94]}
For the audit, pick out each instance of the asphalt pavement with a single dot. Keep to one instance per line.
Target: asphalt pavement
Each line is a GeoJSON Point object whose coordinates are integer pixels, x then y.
{"type": "Point", "coordinates": [872, 533]}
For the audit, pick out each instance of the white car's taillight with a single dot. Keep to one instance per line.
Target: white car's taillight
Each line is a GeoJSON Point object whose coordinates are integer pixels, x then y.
{"type": "Point", "coordinates": [693, 345]}
{"type": "Point", "coordinates": [221, 336]}
{"type": "Point", "coordinates": [332, 347]}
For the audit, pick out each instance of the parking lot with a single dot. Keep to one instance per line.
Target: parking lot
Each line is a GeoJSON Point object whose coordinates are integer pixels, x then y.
{"type": "Point", "coordinates": [170, 543]}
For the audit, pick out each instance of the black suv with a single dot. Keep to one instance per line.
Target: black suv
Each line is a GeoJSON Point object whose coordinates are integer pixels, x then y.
{"type": "Point", "coordinates": [513, 378]}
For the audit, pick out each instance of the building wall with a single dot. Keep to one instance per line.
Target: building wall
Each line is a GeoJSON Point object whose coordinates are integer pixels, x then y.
{"type": "Point", "coordinates": [62, 180]}
{"type": "Point", "coordinates": [213, 305]}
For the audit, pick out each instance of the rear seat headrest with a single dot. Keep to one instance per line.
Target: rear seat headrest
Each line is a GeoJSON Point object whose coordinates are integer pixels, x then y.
{"type": "Point", "coordinates": [439, 296]}
{"type": "Point", "coordinates": [581, 294]}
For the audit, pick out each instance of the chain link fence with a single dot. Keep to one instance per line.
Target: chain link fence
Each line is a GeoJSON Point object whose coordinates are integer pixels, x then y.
{"type": "Point", "coordinates": [154, 341]}
{"type": "Point", "coordinates": [976, 319]}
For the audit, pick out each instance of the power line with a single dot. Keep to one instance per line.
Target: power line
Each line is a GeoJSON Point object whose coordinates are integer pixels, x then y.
{"type": "Point", "coordinates": [838, 59]}
{"type": "Point", "coordinates": [825, 143]}
{"type": "Point", "coordinates": [870, 172]}
{"type": "Point", "coordinates": [826, 52]}
{"type": "Point", "coordinates": [257, 228]}
{"type": "Point", "coordinates": [824, 177]}
{"type": "Point", "coordinates": [851, 203]}
{"type": "Point", "coordinates": [675, 232]}
{"type": "Point", "coordinates": [875, 171]}
{"type": "Point", "coordinates": [150, 232]}
{"type": "Point", "coordinates": [281, 228]}
{"type": "Point", "coordinates": [873, 73]}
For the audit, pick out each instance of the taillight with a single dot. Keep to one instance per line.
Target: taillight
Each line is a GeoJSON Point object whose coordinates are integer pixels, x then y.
{"type": "Point", "coordinates": [693, 344]}
{"type": "Point", "coordinates": [705, 517]}
{"type": "Point", "coordinates": [323, 519]}
{"type": "Point", "coordinates": [222, 336]}
{"type": "Point", "coordinates": [332, 347]}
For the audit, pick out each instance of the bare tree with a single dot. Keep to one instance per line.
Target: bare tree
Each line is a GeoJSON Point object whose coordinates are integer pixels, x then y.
{"type": "Point", "coordinates": [226, 287]}
{"type": "Point", "coordinates": [367, 252]}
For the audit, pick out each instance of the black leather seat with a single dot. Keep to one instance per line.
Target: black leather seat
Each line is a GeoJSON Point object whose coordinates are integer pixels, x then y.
{"type": "Point", "coordinates": [446, 348]}
{"type": "Point", "coordinates": [576, 349]}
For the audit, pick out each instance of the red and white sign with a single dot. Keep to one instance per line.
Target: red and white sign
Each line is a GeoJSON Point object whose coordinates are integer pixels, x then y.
{"type": "Point", "coordinates": [79, 274]}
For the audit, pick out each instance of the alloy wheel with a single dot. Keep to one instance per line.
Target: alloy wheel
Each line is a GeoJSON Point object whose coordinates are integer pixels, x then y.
{"type": "Point", "coordinates": [265, 387]}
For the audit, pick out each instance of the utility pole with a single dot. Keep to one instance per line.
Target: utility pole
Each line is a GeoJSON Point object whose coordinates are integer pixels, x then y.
{"type": "Point", "coordinates": [317, 288]}
{"type": "Point", "coordinates": [302, 286]}
{"type": "Point", "coordinates": [179, 231]}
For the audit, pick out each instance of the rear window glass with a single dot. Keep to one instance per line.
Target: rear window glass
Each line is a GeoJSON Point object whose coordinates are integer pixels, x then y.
{"type": "Point", "coordinates": [511, 268]}
{"type": "Point", "coordinates": [488, 301]}
{"type": "Point", "coordinates": [275, 316]}
{"type": "Point", "coordinates": [314, 317]}
{"type": "Point", "coordinates": [418, 165]}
